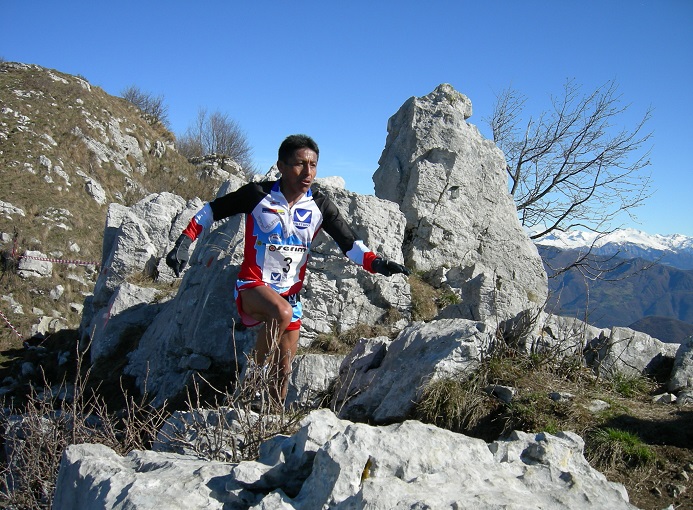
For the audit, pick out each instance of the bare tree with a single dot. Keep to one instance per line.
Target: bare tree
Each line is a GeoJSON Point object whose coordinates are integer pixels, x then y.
{"type": "Point", "coordinates": [572, 166]}
{"type": "Point", "coordinates": [153, 108]}
{"type": "Point", "coordinates": [216, 133]}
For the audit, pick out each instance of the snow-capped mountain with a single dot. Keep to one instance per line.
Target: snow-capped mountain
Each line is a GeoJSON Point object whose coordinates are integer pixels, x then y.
{"type": "Point", "coordinates": [675, 250]}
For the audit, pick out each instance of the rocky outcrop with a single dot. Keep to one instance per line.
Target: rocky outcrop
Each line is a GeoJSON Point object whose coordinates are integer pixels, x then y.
{"type": "Point", "coordinates": [630, 353]}
{"type": "Point", "coordinates": [491, 267]}
{"type": "Point", "coordinates": [312, 377]}
{"type": "Point", "coordinates": [451, 185]}
{"type": "Point", "coordinates": [381, 380]}
{"type": "Point", "coordinates": [201, 320]}
{"type": "Point", "coordinates": [331, 463]}
{"type": "Point", "coordinates": [135, 240]}
{"type": "Point", "coordinates": [339, 295]}
{"type": "Point", "coordinates": [34, 264]}
{"type": "Point", "coordinates": [481, 254]}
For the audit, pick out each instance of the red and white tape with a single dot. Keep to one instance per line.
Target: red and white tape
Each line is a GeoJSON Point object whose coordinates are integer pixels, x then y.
{"type": "Point", "coordinates": [61, 261]}
{"type": "Point", "coordinates": [9, 325]}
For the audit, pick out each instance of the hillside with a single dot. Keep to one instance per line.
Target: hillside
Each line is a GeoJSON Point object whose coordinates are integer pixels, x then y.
{"type": "Point", "coordinates": [636, 289]}
{"type": "Point", "coordinates": [663, 327]}
{"type": "Point", "coordinates": [67, 150]}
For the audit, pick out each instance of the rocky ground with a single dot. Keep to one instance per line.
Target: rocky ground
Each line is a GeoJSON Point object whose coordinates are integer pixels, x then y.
{"type": "Point", "coordinates": [664, 428]}
{"type": "Point", "coordinates": [667, 430]}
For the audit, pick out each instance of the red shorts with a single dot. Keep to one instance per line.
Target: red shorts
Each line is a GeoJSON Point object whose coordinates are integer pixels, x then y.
{"type": "Point", "coordinates": [248, 321]}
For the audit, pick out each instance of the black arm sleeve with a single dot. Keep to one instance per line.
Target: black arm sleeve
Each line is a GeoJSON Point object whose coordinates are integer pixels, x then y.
{"type": "Point", "coordinates": [334, 224]}
{"type": "Point", "coordinates": [243, 200]}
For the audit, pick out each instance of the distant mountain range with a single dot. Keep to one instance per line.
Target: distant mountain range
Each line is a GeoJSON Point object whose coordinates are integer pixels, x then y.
{"type": "Point", "coordinates": [648, 287]}
{"type": "Point", "coordinates": [673, 250]}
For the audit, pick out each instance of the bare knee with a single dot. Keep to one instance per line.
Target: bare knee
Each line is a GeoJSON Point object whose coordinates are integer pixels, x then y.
{"type": "Point", "coordinates": [281, 313]}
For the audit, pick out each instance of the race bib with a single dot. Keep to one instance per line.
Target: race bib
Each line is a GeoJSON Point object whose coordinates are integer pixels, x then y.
{"type": "Point", "coordinates": [282, 263]}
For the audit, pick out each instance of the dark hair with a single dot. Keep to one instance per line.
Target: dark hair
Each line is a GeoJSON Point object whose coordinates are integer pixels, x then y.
{"type": "Point", "coordinates": [294, 142]}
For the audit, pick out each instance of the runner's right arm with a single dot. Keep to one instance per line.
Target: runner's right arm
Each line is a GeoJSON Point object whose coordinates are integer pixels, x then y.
{"type": "Point", "coordinates": [242, 200]}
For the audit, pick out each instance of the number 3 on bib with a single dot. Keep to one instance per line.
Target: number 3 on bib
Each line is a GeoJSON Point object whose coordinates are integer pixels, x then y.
{"type": "Point", "coordinates": [278, 267]}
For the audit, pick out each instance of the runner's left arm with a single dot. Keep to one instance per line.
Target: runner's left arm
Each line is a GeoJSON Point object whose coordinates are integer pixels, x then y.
{"type": "Point", "coordinates": [354, 248]}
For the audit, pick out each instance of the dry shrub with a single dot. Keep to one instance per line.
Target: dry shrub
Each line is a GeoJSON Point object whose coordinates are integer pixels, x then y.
{"type": "Point", "coordinates": [453, 403]}
{"type": "Point", "coordinates": [423, 299]}
{"type": "Point", "coordinates": [232, 429]}
{"type": "Point", "coordinates": [230, 425]}
{"type": "Point", "coordinates": [344, 342]}
{"type": "Point", "coordinates": [36, 434]}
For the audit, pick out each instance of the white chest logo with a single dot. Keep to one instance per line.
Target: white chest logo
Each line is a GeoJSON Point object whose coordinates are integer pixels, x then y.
{"type": "Point", "coordinates": [303, 218]}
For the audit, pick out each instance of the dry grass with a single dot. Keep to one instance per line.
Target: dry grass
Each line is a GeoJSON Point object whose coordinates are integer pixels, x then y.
{"type": "Point", "coordinates": [646, 446]}
{"type": "Point", "coordinates": [53, 417]}
{"type": "Point", "coordinates": [49, 109]}
{"type": "Point", "coordinates": [37, 428]}
{"type": "Point", "coordinates": [423, 299]}
{"type": "Point", "coordinates": [343, 343]}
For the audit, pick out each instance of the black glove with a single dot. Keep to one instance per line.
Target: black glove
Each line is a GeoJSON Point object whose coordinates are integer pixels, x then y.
{"type": "Point", "coordinates": [178, 257]}
{"type": "Point", "coordinates": [387, 267]}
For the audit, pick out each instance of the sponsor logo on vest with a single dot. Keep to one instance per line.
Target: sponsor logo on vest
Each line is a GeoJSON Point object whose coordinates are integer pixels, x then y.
{"type": "Point", "coordinates": [286, 249]}
{"type": "Point", "coordinates": [303, 218]}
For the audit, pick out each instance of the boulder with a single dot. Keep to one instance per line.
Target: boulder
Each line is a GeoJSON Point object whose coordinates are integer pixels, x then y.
{"type": "Point", "coordinates": [311, 378]}
{"type": "Point", "coordinates": [34, 264]}
{"type": "Point", "coordinates": [566, 336]}
{"type": "Point", "coordinates": [94, 477]}
{"type": "Point", "coordinates": [682, 373]}
{"type": "Point", "coordinates": [135, 239]}
{"type": "Point", "coordinates": [451, 185]}
{"type": "Point", "coordinates": [381, 381]}
{"type": "Point", "coordinates": [331, 463]}
{"type": "Point", "coordinates": [630, 353]}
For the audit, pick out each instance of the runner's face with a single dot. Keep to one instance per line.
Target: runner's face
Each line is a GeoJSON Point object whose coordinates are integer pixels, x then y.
{"type": "Point", "coordinates": [298, 173]}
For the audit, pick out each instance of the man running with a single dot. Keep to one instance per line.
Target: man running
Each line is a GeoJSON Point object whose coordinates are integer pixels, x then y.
{"type": "Point", "coordinates": [282, 219]}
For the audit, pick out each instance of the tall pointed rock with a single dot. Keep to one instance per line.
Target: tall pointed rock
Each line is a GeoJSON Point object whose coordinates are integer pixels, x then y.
{"type": "Point", "coordinates": [462, 225]}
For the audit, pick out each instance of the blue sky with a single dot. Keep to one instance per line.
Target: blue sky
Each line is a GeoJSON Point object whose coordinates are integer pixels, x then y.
{"type": "Point", "coordinates": [339, 70]}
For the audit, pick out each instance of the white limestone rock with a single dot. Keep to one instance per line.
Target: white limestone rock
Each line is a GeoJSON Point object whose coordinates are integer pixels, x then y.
{"type": "Point", "coordinates": [566, 336]}
{"type": "Point", "coordinates": [630, 352]}
{"type": "Point", "coordinates": [94, 477]}
{"type": "Point", "coordinates": [9, 210]}
{"type": "Point", "coordinates": [682, 373]}
{"type": "Point", "coordinates": [135, 239]}
{"type": "Point", "coordinates": [451, 185]}
{"type": "Point", "coordinates": [381, 381]}
{"type": "Point", "coordinates": [331, 463]}
{"type": "Point", "coordinates": [34, 264]}
{"type": "Point", "coordinates": [311, 378]}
